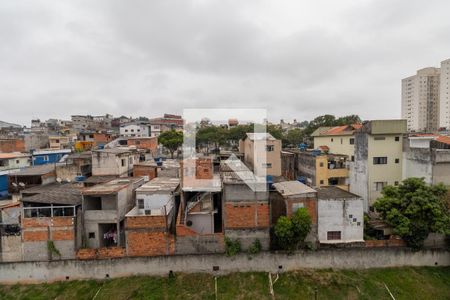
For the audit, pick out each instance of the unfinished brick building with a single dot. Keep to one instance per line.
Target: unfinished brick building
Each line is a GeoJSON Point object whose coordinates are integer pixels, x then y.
{"type": "Point", "coordinates": [149, 226]}
{"type": "Point", "coordinates": [12, 145]}
{"type": "Point", "coordinates": [246, 212]}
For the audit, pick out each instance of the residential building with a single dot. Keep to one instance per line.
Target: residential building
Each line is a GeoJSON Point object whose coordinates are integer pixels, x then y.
{"type": "Point", "coordinates": [76, 167]}
{"type": "Point", "coordinates": [59, 142]}
{"type": "Point", "coordinates": [147, 169]}
{"type": "Point", "coordinates": [420, 100]}
{"type": "Point", "coordinates": [245, 210]}
{"type": "Point", "coordinates": [340, 216]}
{"type": "Point", "coordinates": [134, 130]}
{"type": "Point", "coordinates": [199, 221]}
{"type": "Point", "coordinates": [11, 162]}
{"type": "Point", "coordinates": [444, 107]}
{"type": "Point", "coordinates": [35, 141]}
{"type": "Point", "coordinates": [317, 168]}
{"type": "Point", "coordinates": [427, 156]}
{"type": "Point", "coordinates": [116, 161]}
{"type": "Point", "coordinates": [49, 156]}
{"type": "Point", "coordinates": [288, 165]}
{"type": "Point", "coordinates": [150, 225]}
{"type": "Point", "coordinates": [378, 158]}
{"type": "Point", "coordinates": [150, 144]}
{"type": "Point", "coordinates": [31, 176]}
{"type": "Point", "coordinates": [289, 197]}
{"type": "Point", "coordinates": [165, 123]}
{"type": "Point", "coordinates": [90, 140]}
{"type": "Point", "coordinates": [338, 139]}
{"type": "Point", "coordinates": [50, 214]}
{"type": "Point", "coordinates": [262, 152]}
{"type": "Point", "coordinates": [104, 209]}
{"type": "Point", "coordinates": [82, 122]}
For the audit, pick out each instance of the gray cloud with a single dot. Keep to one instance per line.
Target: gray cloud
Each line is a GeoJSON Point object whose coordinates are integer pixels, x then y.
{"type": "Point", "coordinates": [149, 57]}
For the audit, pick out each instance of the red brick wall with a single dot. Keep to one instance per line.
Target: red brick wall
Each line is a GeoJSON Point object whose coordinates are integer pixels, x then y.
{"type": "Point", "coordinates": [309, 203]}
{"type": "Point", "coordinates": [110, 252]}
{"type": "Point", "coordinates": [37, 229]}
{"type": "Point", "coordinates": [12, 145]}
{"type": "Point", "coordinates": [246, 215]}
{"type": "Point", "coordinates": [203, 168]}
{"type": "Point", "coordinates": [158, 222]}
{"type": "Point", "coordinates": [384, 243]}
{"type": "Point", "coordinates": [140, 170]}
{"type": "Point", "coordinates": [145, 143]}
{"type": "Point", "coordinates": [149, 243]}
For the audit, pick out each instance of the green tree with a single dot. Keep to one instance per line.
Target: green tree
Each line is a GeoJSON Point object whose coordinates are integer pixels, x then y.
{"type": "Point", "coordinates": [290, 232]}
{"type": "Point", "coordinates": [215, 135]}
{"type": "Point", "coordinates": [294, 137]}
{"type": "Point", "coordinates": [171, 139]}
{"type": "Point", "coordinates": [414, 209]}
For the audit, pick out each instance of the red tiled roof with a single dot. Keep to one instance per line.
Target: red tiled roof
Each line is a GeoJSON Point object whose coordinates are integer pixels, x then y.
{"type": "Point", "coordinates": [342, 129]}
{"type": "Point", "coordinates": [443, 139]}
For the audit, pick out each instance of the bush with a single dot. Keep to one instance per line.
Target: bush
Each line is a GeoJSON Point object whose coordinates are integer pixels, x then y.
{"type": "Point", "coordinates": [232, 247]}
{"type": "Point", "coordinates": [255, 248]}
{"type": "Point", "coordinates": [289, 232]}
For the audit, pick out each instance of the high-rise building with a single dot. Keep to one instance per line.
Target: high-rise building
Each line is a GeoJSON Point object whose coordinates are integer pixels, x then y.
{"type": "Point", "coordinates": [444, 107]}
{"type": "Point", "coordinates": [420, 100]}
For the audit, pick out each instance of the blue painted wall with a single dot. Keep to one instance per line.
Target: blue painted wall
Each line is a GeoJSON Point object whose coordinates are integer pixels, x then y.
{"type": "Point", "coordinates": [3, 186]}
{"type": "Point", "coordinates": [43, 159]}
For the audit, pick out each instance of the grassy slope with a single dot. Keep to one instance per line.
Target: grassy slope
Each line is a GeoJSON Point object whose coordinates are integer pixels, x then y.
{"type": "Point", "coordinates": [404, 283]}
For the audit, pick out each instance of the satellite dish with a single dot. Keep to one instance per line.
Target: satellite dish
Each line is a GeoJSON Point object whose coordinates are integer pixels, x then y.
{"type": "Point", "coordinates": [22, 184]}
{"type": "Point", "coordinates": [14, 184]}
{"type": "Point", "coordinates": [58, 180]}
{"type": "Point", "coordinates": [67, 179]}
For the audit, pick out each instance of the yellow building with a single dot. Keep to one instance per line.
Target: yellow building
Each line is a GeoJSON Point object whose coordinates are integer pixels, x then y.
{"type": "Point", "coordinates": [338, 139]}
{"type": "Point", "coordinates": [321, 169]}
{"type": "Point", "coordinates": [377, 159]}
{"type": "Point", "coordinates": [262, 152]}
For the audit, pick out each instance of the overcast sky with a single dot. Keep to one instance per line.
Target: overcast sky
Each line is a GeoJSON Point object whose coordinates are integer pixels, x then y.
{"type": "Point", "coordinates": [298, 59]}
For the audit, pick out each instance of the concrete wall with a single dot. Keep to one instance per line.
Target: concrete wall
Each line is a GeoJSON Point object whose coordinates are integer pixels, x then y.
{"type": "Point", "coordinates": [334, 215]}
{"type": "Point", "coordinates": [192, 244]}
{"type": "Point", "coordinates": [11, 248]}
{"type": "Point", "coordinates": [247, 236]}
{"type": "Point", "coordinates": [33, 272]}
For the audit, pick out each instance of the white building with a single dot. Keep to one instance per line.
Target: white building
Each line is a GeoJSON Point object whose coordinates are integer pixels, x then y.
{"type": "Point", "coordinates": [420, 100]}
{"type": "Point", "coordinates": [134, 130]}
{"type": "Point", "coordinates": [14, 161]}
{"type": "Point", "coordinates": [340, 216]}
{"type": "Point", "coordinates": [444, 108]}
{"type": "Point", "coordinates": [117, 161]}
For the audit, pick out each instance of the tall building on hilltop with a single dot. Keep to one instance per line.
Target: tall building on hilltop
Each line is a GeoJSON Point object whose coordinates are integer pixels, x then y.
{"type": "Point", "coordinates": [420, 100]}
{"type": "Point", "coordinates": [444, 107]}
{"type": "Point", "coordinates": [426, 99]}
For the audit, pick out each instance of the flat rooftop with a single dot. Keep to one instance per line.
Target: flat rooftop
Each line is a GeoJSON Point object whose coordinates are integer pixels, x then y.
{"type": "Point", "coordinates": [35, 170]}
{"type": "Point", "coordinates": [159, 184]}
{"type": "Point", "coordinates": [333, 193]}
{"type": "Point", "coordinates": [293, 188]}
{"type": "Point", "coordinates": [110, 187]}
{"type": "Point", "coordinates": [13, 155]}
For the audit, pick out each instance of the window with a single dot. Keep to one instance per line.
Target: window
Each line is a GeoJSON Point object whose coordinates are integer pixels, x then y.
{"type": "Point", "coordinates": [140, 203]}
{"type": "Point", "coordinates": [17, 161]}
{"type": "Point", "coordinates": [267, 165]}
{"type": "Point", "coordinates": [353, 158]}
{"type": "Point", "coordinates": [126, 130]}
{"type": "Point", "coordinates": [321, 182]}
{"type": "Point", "coordinates": [352, 141]}
{"type": "Point", "coordinates": [342, 140]}
{"type": "Point", "coordinates": [379, 138]}
{"type": "Point", "coordinates": [397, 160]}
{"type": "Point", "coordinates": [123, 162]}
{"type": "Point", "coordinates": [296, 206]}
{"type": "Point", "coordinates": [321, 164]}
{"type": "Point", "coordinates": [382, 160]}
{"type": "Point", "coordinates": [380, 185]}
{"type": "Point", "coordinates": [331, 139]}
{"type": "Point", "coordinates": [333, 235]}
{"type": "Point", "coordinates": [92, 235]}
{"type": "Point", "coordinates": [397, 138]}
{"type": "Point", "coordinates": [396, 183]}
{"type": "Point", "coordinates": [269, 148]}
